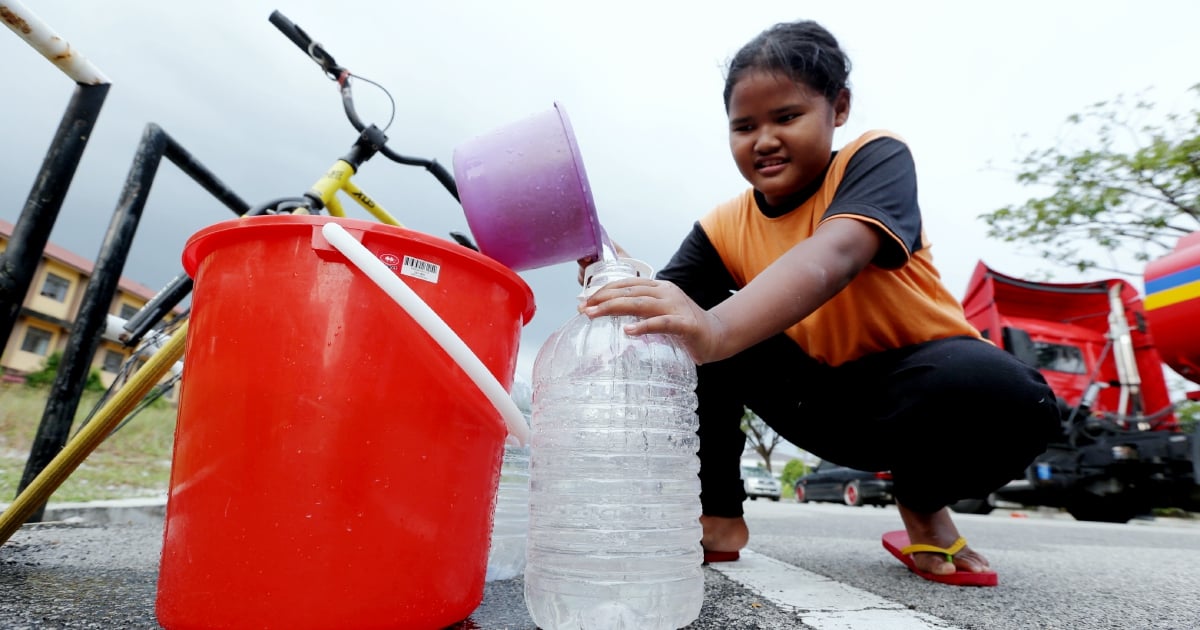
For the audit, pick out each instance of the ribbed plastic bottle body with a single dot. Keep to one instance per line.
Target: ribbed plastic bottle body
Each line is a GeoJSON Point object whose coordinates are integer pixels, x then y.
{"type": "Point", "coordinates": [614, 533]}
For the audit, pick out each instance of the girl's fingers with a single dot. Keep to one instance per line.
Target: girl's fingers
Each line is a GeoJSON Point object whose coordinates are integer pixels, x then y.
{"type": "Point", "coordinates": [619, 288]}
{"type": "Point", "coordinates": [611, 292]}
{"type": "Point", "coordinates": [638, 305]}
{"type": "Point", "coordinates": [663, 324]}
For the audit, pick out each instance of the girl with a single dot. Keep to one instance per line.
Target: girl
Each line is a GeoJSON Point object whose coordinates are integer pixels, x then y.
{"type": "Point", "coordinates": [811, 298]}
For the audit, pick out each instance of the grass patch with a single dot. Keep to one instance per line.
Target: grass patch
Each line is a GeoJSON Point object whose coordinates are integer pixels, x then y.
{"type": "Point", "coordinates": [133, 462]}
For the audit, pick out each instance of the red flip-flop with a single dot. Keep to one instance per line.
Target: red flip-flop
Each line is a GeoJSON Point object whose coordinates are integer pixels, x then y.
{"type": "Point", "coordinates": [898, 545]}
{"type": "Point", "coordinates": [720, 556]}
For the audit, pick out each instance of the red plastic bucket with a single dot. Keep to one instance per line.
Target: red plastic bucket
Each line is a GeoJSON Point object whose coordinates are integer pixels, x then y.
{"type": "Point", "coordinates": [333, 467]}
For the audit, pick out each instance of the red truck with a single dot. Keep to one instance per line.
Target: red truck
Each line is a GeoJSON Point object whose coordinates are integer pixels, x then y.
{"type": "Point", "coordinates": [1102, 347]}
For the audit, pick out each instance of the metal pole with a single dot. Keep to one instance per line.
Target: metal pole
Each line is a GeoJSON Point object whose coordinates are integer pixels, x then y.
{"type": "Point", "coordinates": [19, 262]}
{"type": "Point", "coordinates": [173, 293]}
{"type": "Point", "coordinates": [84, 340]}
{"type": "Point", "coordinates": [50, 44]}
{"type": "Point", "coordinates": [32, 231]}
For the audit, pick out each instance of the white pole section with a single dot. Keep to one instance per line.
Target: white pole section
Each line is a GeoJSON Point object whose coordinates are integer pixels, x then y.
{"type": "Point", "coordinates": [36, 33]}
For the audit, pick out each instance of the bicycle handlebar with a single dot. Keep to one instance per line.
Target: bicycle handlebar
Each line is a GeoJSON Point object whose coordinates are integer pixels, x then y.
{"type": "Point", "coordinates": [314, 50]}
{"type": "Point", "coordinates": [322, 57]}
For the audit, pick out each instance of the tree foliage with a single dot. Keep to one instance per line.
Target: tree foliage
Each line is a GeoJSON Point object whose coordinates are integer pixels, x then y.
{"type": "Point", "coordinates": [792, 471]}
{"type": "Point", "coordinates": [763, 438]}
{"type": "Point", "coordinates": [1187, 413]}
{"type": "Point", "coordinates": [1131, 193]}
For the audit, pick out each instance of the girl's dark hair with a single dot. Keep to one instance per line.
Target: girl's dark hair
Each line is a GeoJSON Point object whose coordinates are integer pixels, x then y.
{"type": "Point", "coordinates": [803, 51]}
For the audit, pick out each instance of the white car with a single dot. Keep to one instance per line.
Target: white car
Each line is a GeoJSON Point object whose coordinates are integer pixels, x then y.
{"type": "Point", "coordinates": [760, 483]}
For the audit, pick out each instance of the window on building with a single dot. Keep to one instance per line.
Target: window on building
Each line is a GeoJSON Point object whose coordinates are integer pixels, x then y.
{"type": "Point", "coordinates": [127, 312]}
{"type": "Point", "coordinates": [37, 341]}
{"type": "Point", "coordinates": [55, 287]}
{"type": "Point", "coordinates": [113, 361]}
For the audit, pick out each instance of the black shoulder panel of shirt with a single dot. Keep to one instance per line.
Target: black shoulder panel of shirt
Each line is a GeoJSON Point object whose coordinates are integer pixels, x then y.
{"type": "Point", "coordinates": [880, 182]}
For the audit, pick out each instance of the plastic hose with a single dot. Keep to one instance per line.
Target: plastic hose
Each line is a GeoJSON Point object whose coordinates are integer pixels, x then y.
{"type": "Point", "coordinates": [91, 436]}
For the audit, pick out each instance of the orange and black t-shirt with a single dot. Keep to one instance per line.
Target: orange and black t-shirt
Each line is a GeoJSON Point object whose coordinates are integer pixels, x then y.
{"type": "Point", "coordinates": [896, 301]}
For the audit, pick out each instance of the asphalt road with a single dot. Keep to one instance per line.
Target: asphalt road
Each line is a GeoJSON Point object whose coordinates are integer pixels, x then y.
{"type": "Point", "coordinates": [1055, 572]}
{"type": "Point", "coordinates": [810, 566]}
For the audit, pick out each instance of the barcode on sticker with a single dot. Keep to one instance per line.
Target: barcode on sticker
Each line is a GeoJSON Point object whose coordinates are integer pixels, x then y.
{"type": "Point", "coordinates": [422, 269]}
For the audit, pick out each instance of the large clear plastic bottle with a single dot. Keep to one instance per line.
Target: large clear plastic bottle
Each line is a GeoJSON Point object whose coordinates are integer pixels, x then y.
{"type": "Point", "coordinates": [614, 532]}
{"type": "Point", "coordinates": [510, 523]}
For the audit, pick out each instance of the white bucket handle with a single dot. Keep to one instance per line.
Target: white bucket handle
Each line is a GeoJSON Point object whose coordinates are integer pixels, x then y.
{"type": "Point", "coordinates": [433, 324]}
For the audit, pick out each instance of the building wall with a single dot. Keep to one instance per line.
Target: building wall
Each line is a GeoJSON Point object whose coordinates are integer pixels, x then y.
{"type": "Point", "coordinates": [50, 309]}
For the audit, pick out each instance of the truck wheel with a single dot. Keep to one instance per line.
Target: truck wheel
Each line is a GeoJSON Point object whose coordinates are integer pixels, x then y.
{"type": "Point", "coordinates": [850, 495]}
{"type": "Point", "coordinates": [973, 506]}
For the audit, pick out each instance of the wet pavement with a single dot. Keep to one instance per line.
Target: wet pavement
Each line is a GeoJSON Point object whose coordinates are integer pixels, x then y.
{"type": "Point", "coordinates": [102, 573]}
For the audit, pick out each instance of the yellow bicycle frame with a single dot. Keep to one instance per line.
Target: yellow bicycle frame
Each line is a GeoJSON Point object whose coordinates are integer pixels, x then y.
{"type": "Point", "coordinates": [338, 178]}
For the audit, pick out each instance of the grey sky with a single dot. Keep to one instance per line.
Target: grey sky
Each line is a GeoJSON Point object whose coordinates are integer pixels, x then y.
{"type": "Point", "coordinates": [971, 86]}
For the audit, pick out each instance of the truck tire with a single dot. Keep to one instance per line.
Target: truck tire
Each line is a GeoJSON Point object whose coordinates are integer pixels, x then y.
{"type": "Point", "coordinates": [974, 506]}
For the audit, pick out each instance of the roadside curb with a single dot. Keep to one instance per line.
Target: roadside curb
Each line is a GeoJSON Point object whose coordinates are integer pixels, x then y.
{"type": "Point", "coordinates": [147, 510]}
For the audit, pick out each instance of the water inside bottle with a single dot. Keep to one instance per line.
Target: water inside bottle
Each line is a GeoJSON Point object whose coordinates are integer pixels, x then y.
{"type": "Point", "coordinates": [613, 533]}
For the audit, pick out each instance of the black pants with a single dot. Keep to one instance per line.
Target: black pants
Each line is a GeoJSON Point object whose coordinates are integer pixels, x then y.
{"type": "Point", "coordinates": [951, 419]}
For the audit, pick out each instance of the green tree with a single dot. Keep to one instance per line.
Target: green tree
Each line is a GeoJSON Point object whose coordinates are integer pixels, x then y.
{"type": "Point", "coordinates": [792, 471]}
{"type": "Point", "coordinates": [1187, 413]}
{"type": "Point", "coordinates": [763, 438]}
{"type": "Point", "coordinates": [1131, 192]}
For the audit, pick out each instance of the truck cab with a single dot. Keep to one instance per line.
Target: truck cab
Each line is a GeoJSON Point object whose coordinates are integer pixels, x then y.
{"type": "Point", "coordinates": [1120, 452]}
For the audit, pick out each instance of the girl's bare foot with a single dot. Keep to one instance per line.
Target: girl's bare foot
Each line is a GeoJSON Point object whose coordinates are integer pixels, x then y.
{"type": "Point", "coordinates": [722, 533]}
{"type": "Point", "coordinates": [937, 528]}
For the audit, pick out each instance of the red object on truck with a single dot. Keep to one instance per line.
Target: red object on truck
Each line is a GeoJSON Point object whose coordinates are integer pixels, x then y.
{"type": "Point", "coordinates": [1086, 334]}
{"type": "Point", "coordinates": [1173, 306]}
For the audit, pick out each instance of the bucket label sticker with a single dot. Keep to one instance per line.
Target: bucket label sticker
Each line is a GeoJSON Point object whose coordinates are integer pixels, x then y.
{"type": "Point", "coordinates": [421, 269]}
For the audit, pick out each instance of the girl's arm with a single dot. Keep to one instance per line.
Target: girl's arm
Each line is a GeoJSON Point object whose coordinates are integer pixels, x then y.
{"type": "Point", "coordinates": [803, 279]}
{"type": "Point", "coordinates": [786, 292]}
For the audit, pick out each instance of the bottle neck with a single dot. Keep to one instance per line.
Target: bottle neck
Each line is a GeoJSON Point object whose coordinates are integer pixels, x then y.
{"type": "Point", "coordinates": [602, 272]}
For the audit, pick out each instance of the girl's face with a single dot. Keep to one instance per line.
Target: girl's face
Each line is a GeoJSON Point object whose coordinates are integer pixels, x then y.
{"type": "Point", "coordinates": [781, 132]}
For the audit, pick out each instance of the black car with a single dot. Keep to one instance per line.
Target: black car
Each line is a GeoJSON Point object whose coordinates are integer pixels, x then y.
{"type": "Point", "coordinates": [830, 482]}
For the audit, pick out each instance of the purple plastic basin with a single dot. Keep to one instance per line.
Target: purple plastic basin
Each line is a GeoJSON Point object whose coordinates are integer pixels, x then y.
{"type": "Point", "coordinates": [525, 193]}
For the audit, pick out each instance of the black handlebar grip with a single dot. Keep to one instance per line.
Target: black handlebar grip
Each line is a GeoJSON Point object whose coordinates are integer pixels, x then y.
{"type": "Point", "coordinates": [293, 32]}
{"type": "Point", "coordinates": [301, 39]}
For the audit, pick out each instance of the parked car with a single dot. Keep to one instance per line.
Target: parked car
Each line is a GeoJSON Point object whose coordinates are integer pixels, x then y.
{"type": "Point", "coordinates": [839, 484]}
{"type": "Point", "coordinates": [760, 483]}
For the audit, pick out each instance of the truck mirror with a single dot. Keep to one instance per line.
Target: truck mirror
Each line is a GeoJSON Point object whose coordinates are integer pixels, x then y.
{"type": "Point", "coordinates": [1020, 344]}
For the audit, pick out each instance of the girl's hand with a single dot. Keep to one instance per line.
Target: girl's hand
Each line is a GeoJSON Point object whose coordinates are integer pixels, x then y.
{"type": "Point", "coordinates": [663, 308]}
